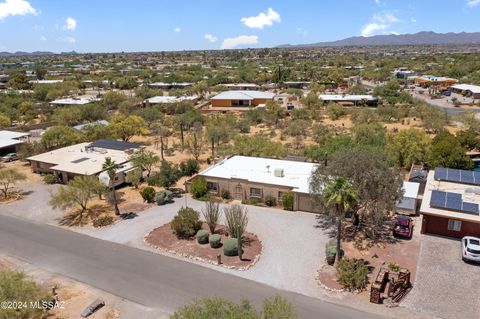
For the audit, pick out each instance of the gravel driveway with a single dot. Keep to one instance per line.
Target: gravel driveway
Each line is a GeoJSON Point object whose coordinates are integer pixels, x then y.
{"type": "Point", "coordinates": [445, 287]}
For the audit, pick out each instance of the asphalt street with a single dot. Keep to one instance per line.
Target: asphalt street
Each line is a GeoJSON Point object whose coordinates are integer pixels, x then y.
{"type": "Point", "coordinates": [146, 278]}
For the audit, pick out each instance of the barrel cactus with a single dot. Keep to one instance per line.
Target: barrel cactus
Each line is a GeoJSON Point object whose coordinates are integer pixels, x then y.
{"type": "Point", "coordinates": [202, 236]}
{"type": "Point", "coordinates": [230, 247]}
{"type": "Point", "coordinates": [215, 240]}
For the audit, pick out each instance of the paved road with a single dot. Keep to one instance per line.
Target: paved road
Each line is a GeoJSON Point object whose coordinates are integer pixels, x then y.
{"type": "Point", "coordinates": [140, 276]}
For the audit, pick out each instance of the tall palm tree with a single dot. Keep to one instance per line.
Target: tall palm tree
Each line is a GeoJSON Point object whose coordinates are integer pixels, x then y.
{"type": "Point", "coordinates": [111, 168]}
{"type": "Point", "coordinates": [339, 195]}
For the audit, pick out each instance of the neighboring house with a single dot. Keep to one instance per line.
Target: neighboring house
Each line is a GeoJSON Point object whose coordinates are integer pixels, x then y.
{"type": "Point", "coordinates": [246, 177]}
{"type": "Point", "coordinates": [45, 81]}
{"type": "Point", "coordinates": [467, 89]}
{"type": "Point", "coordinates": [408, 203]}
{"type": "Point", "coordinates": [10, 141]}
{"type": "Point", "coordinates": [241, 86]}
{"type": "Point", "coordinates": [434, 81]}
{"type": "Point", "coordinates": [241, 98]}
{"type": "Point", "coordinates": [450, 205]}
{"type": "Point", "coordinates": [168, 99]}
{"type": "Point", "coordinates": [81, 127]}
{"type": "Point", "coordinates": [75, 100]}
{"type": "Point", "coordinates": [297, 84]}
{"type": "Point", "coordinates": [418, 174]}
{"type": "Point", "coordinates": [169, 86]}
{"type": "Point", "coordinates": [85, 159]}
{"type": "Point", "coordinates": [369, 100]}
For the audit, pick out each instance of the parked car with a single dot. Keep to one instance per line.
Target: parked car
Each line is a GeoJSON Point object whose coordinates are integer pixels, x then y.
{"type": "Point", "coordinates": [471, 249]}
{"type": "Point", "coordinates": [403, 227]}
{"type": "Point", "coordinates": [446, 93]}
{"type": "Point", "coordinates": [9, 157]}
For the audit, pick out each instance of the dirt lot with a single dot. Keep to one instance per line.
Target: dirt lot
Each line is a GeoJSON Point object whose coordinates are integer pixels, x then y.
{"type": "Point", "coordinates": [164, 238]}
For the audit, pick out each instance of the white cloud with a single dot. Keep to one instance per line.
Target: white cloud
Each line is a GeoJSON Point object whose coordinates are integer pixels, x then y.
{"type": "Point", "coordinates": [70, 24]}
{"type": "Point", "coordinates": [378, 23]}
{"type": "Point", "coordinates": [473, 3]}
{"type": "Point", "coordinates": [43, 38]}
{"type": "Point", "coordinates": [70, 40]}
{"type": "Point", "coordinates": [211, 38]}
{"type": "Point", "coordinates": [302, 31]}
{"type": "Point", "coordinates": [230, 43]}
{"type": "Point", "coordinates": [177, 29]}
{"type": "Point", "coordinates": [16, 8]}
{"type": "Point", "coordinates": [413, 20]}
{"type": "Point", "coordinates": [262, 19]}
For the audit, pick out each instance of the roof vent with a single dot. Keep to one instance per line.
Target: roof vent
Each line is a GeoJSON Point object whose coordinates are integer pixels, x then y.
{"type": "Point", "coordinates": [278, 172]}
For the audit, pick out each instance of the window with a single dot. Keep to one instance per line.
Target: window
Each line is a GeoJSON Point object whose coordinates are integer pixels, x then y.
{"type": "Point", "coordinates": [454, 225]}
{"type": "Point", "coordinates": [212, 187]}
{"type": "Point", "coordinates": [280, 197]}
{"type": "Point", "coordinates": [255, 192]}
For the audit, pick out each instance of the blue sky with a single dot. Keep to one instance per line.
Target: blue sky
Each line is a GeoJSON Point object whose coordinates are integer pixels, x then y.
{"type": "Point", "coordinates": [156, 25]}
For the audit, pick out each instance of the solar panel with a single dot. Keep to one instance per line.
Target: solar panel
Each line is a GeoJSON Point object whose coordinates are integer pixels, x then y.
{"type": "Point", "coordinates": [454, 201]}
{"type": "Point", "coordinates": [476, 178]}
{"type": "Point", "coordinates": [440, 173]}
{"type": "Point", "coordinates": [470, 208]}
{"type": "Point", "coordinates": [438, 199]}
{"type": "Point", "coordinates": [466, 177]}
{"type": "Point", "coordinates": [453, 175]}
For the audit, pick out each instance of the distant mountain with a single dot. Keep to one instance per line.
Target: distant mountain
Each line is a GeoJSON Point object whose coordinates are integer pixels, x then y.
{"type": "Point", "coordinates": [35, 53]}
{"type": "Point", "coordinates": [420, 38]}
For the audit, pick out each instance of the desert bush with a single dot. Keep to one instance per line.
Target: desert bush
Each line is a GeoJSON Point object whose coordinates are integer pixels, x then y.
{"type": "Point", "coordinates": [163, 197]}
{"type": "Point", "coordinates": [230, 247]}
{"type": "Point", "coordinates": [226, 194]}
{"type": "Point", "coordinates": [189, 167]}
{"type": "Point", "coordinates": [202, 236]}
{"type": "Point", "coordinates": [270, 201]}
{"type": "Point", "coordinates": [335, 111]}
{"type": "Point", "coordinates": [198, 187]}
{"type": "Point", "coordinates": [186, 223]}
{"type": "Point", "coordinates": [287, 201]}
{"type": "Point", "coordinates": [394, 267]}
{"type": "Point", "coordinates": [215, 240]}
{"type": "Point", "coordinates": [148, 194]}
{"type": "Point", "coordinates": [211, 213]}
{"type": "Point", "coordinates": [49, 179]}
{"type": "Point", "coordinates": [352, 273]}
{"type": "Point", "coordinates": [103, 220]}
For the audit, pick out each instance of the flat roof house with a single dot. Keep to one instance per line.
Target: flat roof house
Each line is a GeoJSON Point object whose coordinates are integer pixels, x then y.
{"type": "Point", "coordinates": [10, 141]}
{"type": "Point", "coordinates": [169, 86]}
{"type": "Point", "coordinates": [84, 159]}
{"type": "Point", "coordinates": [468, 89]}
{"type": "Point", "coordinates": [241, 98]}
{"type": "Point", "coordinates": [241, 86]}
{"type": "Point", "coordinates": [247, 177]}
{"type": "Point", "coordinates": [349, 98]}
{"type": "Point", "coordinates": [450, 205]}
{"type": "Point", "coordinates": [408, 203]}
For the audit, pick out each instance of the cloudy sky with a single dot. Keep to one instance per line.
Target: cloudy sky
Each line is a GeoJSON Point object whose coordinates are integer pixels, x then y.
{"type": "Point", "coordinates": [147, 25]}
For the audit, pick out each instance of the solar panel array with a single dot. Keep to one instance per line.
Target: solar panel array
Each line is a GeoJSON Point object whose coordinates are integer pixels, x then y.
{"type": "Point", "coordinates": [452, 201]}
{"type": "Point", "coordinates": [457, 176]}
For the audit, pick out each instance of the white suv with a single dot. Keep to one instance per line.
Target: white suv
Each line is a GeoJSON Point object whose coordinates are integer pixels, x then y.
{"type": "Point", "coordinates": [471, 249]}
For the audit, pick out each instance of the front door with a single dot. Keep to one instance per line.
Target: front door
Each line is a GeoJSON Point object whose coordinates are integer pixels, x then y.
{"type": "Point", "coordinates": [239, 192]}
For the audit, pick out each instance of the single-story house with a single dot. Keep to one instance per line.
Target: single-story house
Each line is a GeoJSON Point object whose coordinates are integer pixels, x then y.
{"type": "Point", "coordinates": [297, 84]}
{"type": "Point", "coordinates": [369, 100]}
{"type": "Point", "coordinates": [85, 159]}
{"type": "Point", "coordinates": [80, 100]}
{"type": "Point", "coordinates": [10, 141]}
{"type": "Point", "coordinates": [409, 202]}
{"type": "Point", "coordinates": [246, 178]}
{"type": "Point", "coordinates": [45, 81]}
{"type": "Point", "coordinates": [241, 86]}
{"type": "Point", "coordinates": [241, 98]}
{"type": "Point", "coordinates": [439, 82]}
{"type": "Point", "coordinates": [168, 99]}
{"type": "Point", "coordinates": [467, 89]}
{"type": "Point", "coordinates": [450, 205]}
{"type": "Point", "coordinates": [169, 86]}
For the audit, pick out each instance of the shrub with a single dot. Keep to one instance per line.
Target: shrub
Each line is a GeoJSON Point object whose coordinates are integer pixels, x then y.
{"type": "Point", "coordinates": [186, 223]}
{"type": "Point", "coordinates": [270, 201]}
{"type": "Point", "coordinates": [148, 194]}
{"type": "Point", "coordinates": [226, 194]}
{"type": "Point", "coordinates": [331, 251]}
{"type": "Point", "coordinates": [163, 197]}
{"type": "Point", "coordinates": [189, 167]}
{"type": "Point", "coordinates": [394, 266]}
{"type": "Point", "coordinates": [102, 221]}
{"type": "Point", "coordinates": [198, 187]}
{"type": "Point", "coordinates": [352, 273]}
{"type": "Point", "coordinates": [335, 111]}
{"type": "Point", "coordinates": [49, 179]}
{"type": "Point", "coordinates": [215, 240]}
{"type": "Point", "coordinates": [287, 201]}
{"type": "Point", "coordinates": [230, 247]}
{"type": "Point", "coordinates": [202, 236]}
{"type": "Point", "coordinates": [211, 213]}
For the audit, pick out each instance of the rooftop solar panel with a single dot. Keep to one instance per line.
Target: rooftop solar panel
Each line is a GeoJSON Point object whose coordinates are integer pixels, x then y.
{"type": "Point", "coordinates": [470, 208]}
{"type": "Point", "coordinates": [453, 175]}
{"type": "Point", "coordinates": [476, 178]}
{"type": "Point", "coordinates": [440, 173]}
{"type": "Point", "coordinates": [466, 177]}
{"type": "Point", "coordinates": [438, 199]}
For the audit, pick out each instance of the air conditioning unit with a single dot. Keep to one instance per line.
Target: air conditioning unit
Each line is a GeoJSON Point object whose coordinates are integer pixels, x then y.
{"type": "Point", "coordinates": [278, 172]}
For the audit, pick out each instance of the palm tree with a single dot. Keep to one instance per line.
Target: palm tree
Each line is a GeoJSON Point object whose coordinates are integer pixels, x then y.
{"type": "Point", "coordinates": [339, 195]}
{"type": "Point", "coordinates": [111, 167]}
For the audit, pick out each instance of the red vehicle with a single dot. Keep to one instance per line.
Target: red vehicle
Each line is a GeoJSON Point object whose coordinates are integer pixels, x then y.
{"type": "Point", "coordinates": [403, 227]}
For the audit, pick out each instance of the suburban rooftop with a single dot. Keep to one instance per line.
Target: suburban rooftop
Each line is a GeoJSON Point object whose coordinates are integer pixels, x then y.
{"type": "Point", "coordinates": [243, 95]}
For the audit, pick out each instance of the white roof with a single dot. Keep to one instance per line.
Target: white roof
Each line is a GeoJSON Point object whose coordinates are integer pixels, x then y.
{"type": "Point", "coordinates": [410, 189]}
{"type": "Point", "coordinates": [168, 99]}
{"type": "Point", "coordinates": [470, 193]}
{"type": "Point", "coordinates": [9, 142]}
{"type": "Point", "coordinates": [239, 85]}
{"type": "Point", "coordinates": [12, 134]}
{"type": "Point", "coordinates": [261, 170]}
{"type": "Point", "coordinates": [467, 87]}
{"type": "Point", "coordinates": [73, 101]}
{"type": "Point", "coordinates": [75, 159]}
{"type": "Point", "coordinates": [243, 95]}
{"type": "Point", "coordinates": [160, 84]}
{"type": "Point", "coordinates": [346, 97]}
{"type": "Point", "coordinates": [45, 81]}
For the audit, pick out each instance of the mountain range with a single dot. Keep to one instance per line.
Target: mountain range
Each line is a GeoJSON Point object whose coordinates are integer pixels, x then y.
{"type": "Point", "coordinates": [35, 53]}
{"type": "Point", "coordinates": [420, 38]}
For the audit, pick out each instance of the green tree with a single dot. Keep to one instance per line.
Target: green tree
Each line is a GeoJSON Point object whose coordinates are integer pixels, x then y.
{"type": "Point", "coordinates": [78, 192]}
{"type": "Point", "coordinates": [8, 178]}
{"type": "Point", "coordinates": [60, 136]}
{"type": "Point", "coordinates": [4, 121]}
{"type": "Point", "coordinates": [339, 195]}
{"type": "Point", "coordinates": [448, 152]}
{"type": "Point", "coordinates": [126, 127]}
{"type": "Point", "coordinates": [166, 177]}
{"type": "Point", "coordinates": [145, 160]}
{"type": "Point", "coordinates": [407, 147]}
{"type": "Point", "coordinates": [335, 111]}
{"type": "Point", "coordinates": [275, 112]}
{"type": "Point", "coordinates": [111, 168]}
{"type": "Point", "coordinates": [19, 81]}
{"type": "Point", "coordinates": [257, 145]}
{"type": "Point", "coordinates": [40, 71]}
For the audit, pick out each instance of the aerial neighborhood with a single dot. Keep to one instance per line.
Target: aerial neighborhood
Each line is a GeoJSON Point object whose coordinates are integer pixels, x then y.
{"type": "Point", "coordinates": [327, 180]}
